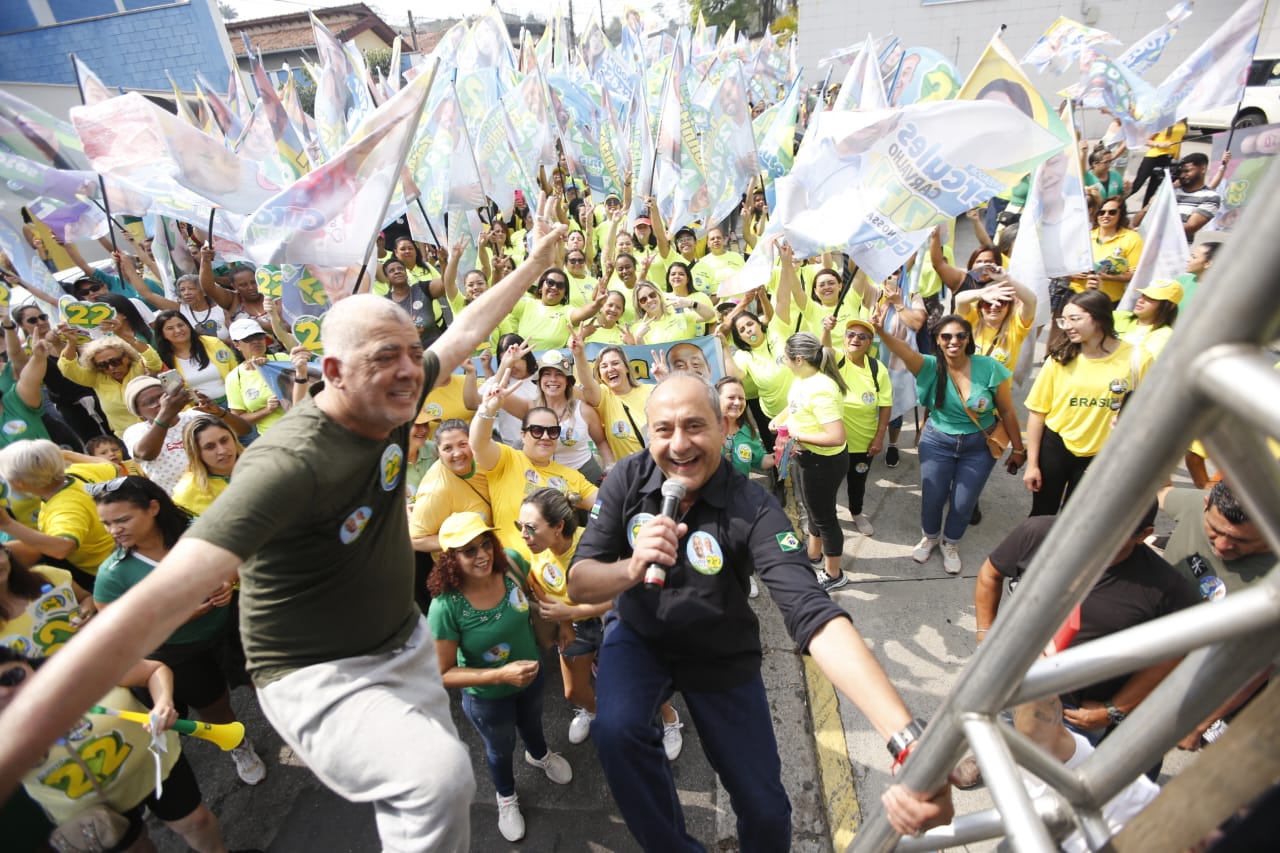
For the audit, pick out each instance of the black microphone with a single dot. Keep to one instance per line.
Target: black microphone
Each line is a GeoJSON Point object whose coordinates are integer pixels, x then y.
{"type": "Point", "coordinates": [655, 576]}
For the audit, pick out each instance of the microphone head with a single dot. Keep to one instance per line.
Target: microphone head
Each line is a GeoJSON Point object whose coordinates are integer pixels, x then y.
{"type": "Point", "coordinates": [673, 489]}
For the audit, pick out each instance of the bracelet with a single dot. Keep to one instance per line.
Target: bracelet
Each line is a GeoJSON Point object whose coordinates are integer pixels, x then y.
{"type": "Point", "coordinates": [9, 327]}
{"type": "Point", "coordinates": [1021, 451]}
{"type": "Point", "coordinates": [981, 630]}
{"type": "Point", "coordinates": [301, 380]}
{"type": "Point", "coordinates": [487, 417]}
{"type": "Point", "coordinates": [225, 412]}
{"type": "Point", "coordinates": [161, 424]}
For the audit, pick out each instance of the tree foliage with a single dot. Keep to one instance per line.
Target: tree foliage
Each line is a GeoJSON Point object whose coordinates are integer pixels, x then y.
{"type": "Point", "coordinates": [227, 11]}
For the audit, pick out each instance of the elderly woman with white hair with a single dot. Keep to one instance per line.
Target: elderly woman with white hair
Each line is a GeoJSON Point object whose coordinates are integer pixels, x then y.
{"type": "Point", "coordinates": [107, 365]}
{"type": "Point", "coordinates": [68, 533]}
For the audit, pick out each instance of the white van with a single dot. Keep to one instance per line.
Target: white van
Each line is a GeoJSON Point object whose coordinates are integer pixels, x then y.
{"type": "Point", "coordinates": [1261, 104]}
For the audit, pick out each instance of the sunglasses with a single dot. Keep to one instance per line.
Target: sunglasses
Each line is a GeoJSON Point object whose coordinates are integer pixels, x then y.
{"type": "Point", "coordinates": [539, 431]}
{"type": "Point", "coordinates": [36, 318]}
{"type": "Point", "coordinates": [13, 676]}
{"type": "Point", "coordinates": [110, 363]}
{"type": "Point", "coordinates": [87, 288]}
{"type": "Point", "coordinates": [556, 283]}
{"type": "Point", "coordinates": [577, 260]}
{"type": "Point", "coordinates": [99, 490]}
{"type": "Point", "coordinates": [948, 337]}
{"type": "Point", "coordinates": [485, 542]}
{"type": "Point", "coordinates": [1108, 213]}
{"type": "Point", "coordinates": [990, 306]}
{"type": "Point", "coordinates": [857, 336]}
{"type": "Point", "coordinates": [526, 529]}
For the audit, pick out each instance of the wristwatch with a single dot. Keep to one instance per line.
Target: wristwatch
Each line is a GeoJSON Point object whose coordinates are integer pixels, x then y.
{"type": "Point", "coordinates": [1114, 715]}
{"type": "Point", "coordinates": [906, 737]}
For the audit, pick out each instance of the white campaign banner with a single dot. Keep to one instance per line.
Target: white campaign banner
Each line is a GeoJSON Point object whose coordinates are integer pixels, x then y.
{"type": "Point", "coordinates": [874, 183]}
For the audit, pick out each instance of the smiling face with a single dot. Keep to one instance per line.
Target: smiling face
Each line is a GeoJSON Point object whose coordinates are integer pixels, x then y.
{"type": "Point", "coordinates": [614, 306]}
{"type": "Point", "coordinates": [1080, 325]}
{"type": "Point", "coordinates": [554, 288]}
{"type": "Point", "coordinates": [128, 524]}
{"type": "Point", "coordinates": [952, 339]}
{"type": "Point", "coordinates": [552, 383]}
{"type": "Point", "coordinates": [688, 358]}
{"type": "Point", "coordinates": [113, 362]}
{"type": "Point", "coordinates": [614, 372]}
{"type": "Point", "coordinates": [176, 331]}
{"type": "Point", "coordinates": [857, 341]}
{"type": "Point", "coordinates": [677, 278]}
{"type": "Point", "coordinates": [686, 245]}
{"type": "Point", "coordinates": [993, 313]}
{"type": "Point", "coordinates": [648, 301]}
{"type": "Point", "coordinates": [733, 400]}
{"type": "Point", "coordinates": [218, 450]}
{"type": "Point", "coordinates": [624, 243]}
{"type": "Point", "coordinates": [381, 381]}
{"type": "Point", "coordinates": [626, 270]}
{"type": "Point", "coordinates": [405, 252]}
{"type": "Point", "coordinates": [475, 559]}
{"type": "Point", "coordinates": [474, 285]}
{"type": "Point", "coordinates": [454, 449]}
{"type": "Point", "coordinates": [1145, 309]}
{"type": "Point", "coordinates": [827, 286]}
{"type": "Point", "coordinates": [685, 436]}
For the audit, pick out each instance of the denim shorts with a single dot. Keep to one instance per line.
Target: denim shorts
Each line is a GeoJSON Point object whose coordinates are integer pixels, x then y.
{"type": "Point", "coordinates": [588, 634]}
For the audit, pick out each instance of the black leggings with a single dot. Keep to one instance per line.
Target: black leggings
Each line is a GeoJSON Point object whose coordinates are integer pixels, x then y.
{"type": "Point", "coordinates": [767, 436]}
{"type": "Point", "coordinates": [856, 480]}
{"type": "Point", "coordinates": [1152, 168]}
{"type": "Point", "coordinates": [1060, 473]}
{"type": "Point", "coordinates": [820, 478]}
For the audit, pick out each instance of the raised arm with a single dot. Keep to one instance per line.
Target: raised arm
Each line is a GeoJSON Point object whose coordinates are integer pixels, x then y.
{"type": "Point", "coordinates": [659, 228]}
{"type": "Point", "coordinates": [220, 295]}
{"type": "Point", "coordinates": [587, 383]}
{"type": "Point", "coordinates": [485, 449]}
{"type": "Point", "coordinates": [31, 375]}
{"type": "Point", "coordinates": [912, 359]}
{"type": "Point", "coordinates": [979, 228]}
{"type": "Point", "coordinates": [788, 284]}
{"type": "Point", "coordinates": [951, 276]}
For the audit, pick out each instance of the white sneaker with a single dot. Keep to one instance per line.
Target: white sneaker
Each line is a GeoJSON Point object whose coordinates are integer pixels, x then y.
{"type": "Point", "coordinates": [754, 591]}
{"type": "Point", "coordinates": [951, 558]}
{"type": "Point", "coordinates": [672, 740]}
{"type": "Point", "coordinates": [923, 549]}
{"type": "Point", "coordinates": [554, 765]}
{"type": "Point", "coordinates": [510, 821]}
{"type": "Point", "coordinates": [249, 766]}
{"type": "Point", "coordinates": [863, 524]}
{"type": "Point", "coordinates": [580, 725]}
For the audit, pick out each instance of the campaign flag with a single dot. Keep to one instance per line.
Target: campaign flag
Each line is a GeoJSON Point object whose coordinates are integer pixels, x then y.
{"type": "Point", "coordinates": [288, 139]}
{"type": "Point", "coordinates": [181, 105]}
{"type": "Point", "coordinates": [442, 161]}
{"type": "Point", "coordinates": [640, 144]}
{"type": "Point", "coordinates": [1057, 211]}
{"type": "Point", "coordinates": [336, 100]}
{"type": "Point", "coordinates": [1251, 151]}
{"type": "Point", "coordinates": [1164, 244]}
{"type": "Point", "coordinates": [26, 263]}
{"type": "Point", "coordinates": [330, 216]}
{"type": "Point", "coordinates": [775, 133]}
{"type": "Point", "coordinates": [447, 49]}
{"type": "Point", "coordinates": [615, 160]}
{"type": "Point", "coordinates": [757, 271]}
{"type": "Point", "coordinates": [237, 97]}
{"type": "Point", "coordinates": [171, 254]}
{"type": "Point", "coordinates": [57, 193]}
{"type": "Point", "coordinates": [729, 159]}
{"type": "Point", "coordinates": [997, 77]}
{"type": "Point", "coordinates": [1062, 45]}
{"type": "Point", "coordinates": [487, 44]}
{"type": "Point", "coordinates": [874, 183]}
{"type": "Point", "coordinates": [530, 119]}
{"type": "Point", "coordinates": [29, 131]}
{"type": "Point", "coordinates": [923, 75]}
{"type": "Point", "coordinates": [678, 180]}
{"type": "Point", "coordinates": [92, 89]}
{"type": "Point", "coordinates": [863, 87]}
{"type": "Point", "coordinates": [1146, 51]}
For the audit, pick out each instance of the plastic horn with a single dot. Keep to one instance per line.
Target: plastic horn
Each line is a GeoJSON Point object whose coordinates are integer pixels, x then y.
{"type": "Point", "coordinates": [226, 736]}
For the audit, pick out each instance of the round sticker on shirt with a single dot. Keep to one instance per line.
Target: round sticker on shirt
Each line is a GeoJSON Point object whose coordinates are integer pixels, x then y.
{"type": "Point", "coordinates": [391, 466]}
{"type": "Point", "coordinates": [868, 398]}
{"type": "Point", "coordinates": [12, 428]}
{"type": "Point", "coordinates": [530, 475]}
{"type": "Point", "coordinates": [222, 356]}
{"type": "Point", "coordinates": [1119, 386]}
{"type": "Point", "coordinates": [637, 521]}
{"type": "Point", "coordinates": [417, 305]}
{"type": "Point", "coordinates": [620, 428]}
{"type": "Point", "coordinates": [251, 393]}
{"type": "Point", "coordinates": [354, 525]}
{"type": "Point", "coordinates": [1212, 588]}
{"type": "Point", "coordinates": [744, 452]}
{"type": "Point", "coordinates": [862, 467]}
{"type": "Point", "coordinates": [981, 404]}
{"type": "Point", "coordinates": [558, 483]}
{"type": "Point", "coordinates": [552, 577]}
{"type": "Point", "coordinates": [498, 654]}
{"type": "Point", "coordinates": [433, 411]}
{"type": "Point", "coordinates": [1000, 355]}
{"type": "Point", "coordinates": [517, 600]}
{"type": "Point", "coordinates": [704, 554]}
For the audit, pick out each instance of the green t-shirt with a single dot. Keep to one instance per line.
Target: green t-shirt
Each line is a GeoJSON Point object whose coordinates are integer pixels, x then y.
{"type": "Point", "coordinates": [317, 514]}
{"type": "Point", "coordinates": [744, 450]}
{"type": "Point", "coordinates": [487, 639]}
{"type": "Point", "coordinates": [122, 571]}
{"type": "Point", "coordinates": [985, 375]}
{"type": "Point", "coordinates": [18, 420]}
{"type": "Point", "coordinates": [1190, 552]}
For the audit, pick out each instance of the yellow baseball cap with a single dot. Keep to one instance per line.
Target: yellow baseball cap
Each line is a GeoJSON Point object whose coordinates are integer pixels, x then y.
{"type": "Point", "coordinates": [1165, 289]}
{"type": "Point", "coordinates": [460, 528]}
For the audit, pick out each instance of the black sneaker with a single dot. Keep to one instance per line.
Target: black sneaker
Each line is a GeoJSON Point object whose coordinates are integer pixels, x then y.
{"type": "Point", "coordinates": [830, 583]}
{"type": "Point", "coordinates": [892, 457]}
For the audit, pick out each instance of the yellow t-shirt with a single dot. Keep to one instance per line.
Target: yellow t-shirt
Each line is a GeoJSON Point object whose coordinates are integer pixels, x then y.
{"type": "Point", "coordinates": [711, 271]}
{"type": "Point", "coordinates": [110, 392]}
{"type": "Point", "coordinates": [1151, 339]}
{"type": "Point", "coordinates": [766, 368]}
{"type": "Point", "coordinates": [863, 402]}
{"type": "Point", "coordinates": [1076, 398]}
{"type": "Point", "coordinates": [618, 413]}
{"type": "Point", "coordinates": [1115, 256]}
{"type": "Point", "coordinates": [606, 336]}
{"type": "Point", "coordinates": [441, 493]}
{"type": "Point", "coordinates": [445, 402]}
{"type": "Point", "coordinates": [195, 500]}
{"type": "Point", "coordinates": [814, 313]}
{"type": "Point", "coordinates": [1167, 141]}
{"type": "Point", "coordinates": [514, 477]}
{"type": "Point", "coordinates": [247, 391]}
{"type": "Point", "coordinates": [674, 325]}
{"type": "Point", "coordinates": [46, 624]}
{"type": "Point", "coordinates": [542, 326]}
{"type": "Point", "coordinates": [813, 401]}
{"type": "Point", "coordinates": [1003, 345]}
{"type": "Point", "coordinates": [73, 514]}
{"type": "Point", "coordinates": [581, 289]}
{"type": "Point", "coordinates": [549, 571]}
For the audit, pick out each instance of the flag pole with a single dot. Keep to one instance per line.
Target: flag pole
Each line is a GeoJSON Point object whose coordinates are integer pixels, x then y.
{"type": "Point", "coordinates": [1231, 132]}
{"type": "Point", "coordinates": [212, 212]}
{"type": "Point", "coordinates": [102, 184]}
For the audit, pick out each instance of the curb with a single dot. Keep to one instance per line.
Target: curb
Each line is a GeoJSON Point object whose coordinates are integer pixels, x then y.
{"type": "Point", "coordinates": [835, 771]}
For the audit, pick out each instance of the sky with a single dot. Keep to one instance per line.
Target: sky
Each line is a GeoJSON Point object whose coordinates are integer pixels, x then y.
{"type": "Point", "coordinates": [396, 11]}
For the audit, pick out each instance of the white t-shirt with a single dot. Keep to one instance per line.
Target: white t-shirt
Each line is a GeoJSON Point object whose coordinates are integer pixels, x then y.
{"type": "Point", "coordinates": [508, 424]}
{"type": "Point", "coordinates": [207, 381]}
{"type": "Point", "coordinates": [168, 466]}
{"type": "Point", "coordinates": [212, 322]}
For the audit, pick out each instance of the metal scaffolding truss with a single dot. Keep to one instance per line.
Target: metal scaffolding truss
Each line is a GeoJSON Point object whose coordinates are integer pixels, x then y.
{"type": "Point", "coordinates": [1214, 381]}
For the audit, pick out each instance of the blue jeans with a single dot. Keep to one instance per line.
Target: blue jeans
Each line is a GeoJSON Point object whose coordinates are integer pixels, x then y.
{"type": "Point", "coordinates": [953, 468]}
{"type": "Point", "coordinates": [497, 721]}
{"type": "Point", "coordinates": [737, 737]}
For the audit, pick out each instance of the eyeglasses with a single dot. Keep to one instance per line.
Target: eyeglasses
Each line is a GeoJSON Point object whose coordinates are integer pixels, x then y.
{"type": "Point", "coordinates": [101, 490]}
{"type": "Point", "coordinates": [110, 363]}
{"type": "Point", "coordinates": [526, 529]}
{"type": "Point", "coordinates": [13, 676]}
{"type": "Point", "coordinates": [539, 431]}
{"type": "Point", "coordinates": [948, 337]}
{"type": "Point", "coordinates": [556, 283]}
{"type": "Point", "coordinates": [1064, 322]}
{"type": "Point", "coordinates": [857, 336]}
{"type": "Point", "coordinates": [577, 260]}
{"type": "Point", "coordinates": [35, 318]}
{"type": "Point", "coordinates": [1108, 212]}
{"type": "Point", "coordinates": [485, 542]}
